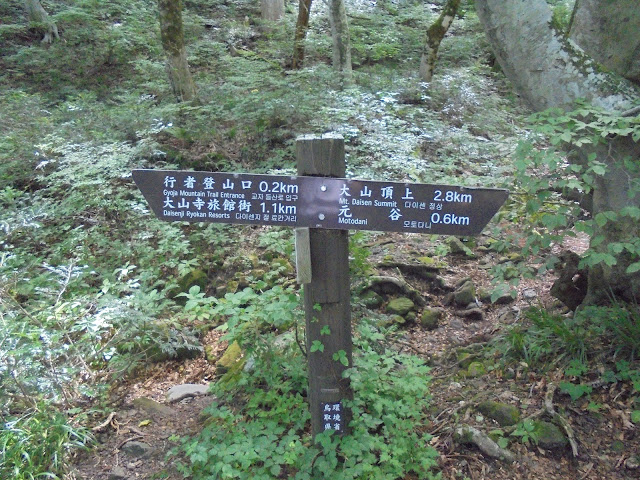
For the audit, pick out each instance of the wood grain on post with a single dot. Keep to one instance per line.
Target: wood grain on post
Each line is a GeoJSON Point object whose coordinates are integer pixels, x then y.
{"type": "Point", "coordinates": [327, 297]}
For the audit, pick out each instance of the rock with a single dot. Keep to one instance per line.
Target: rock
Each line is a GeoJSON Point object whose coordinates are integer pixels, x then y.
{"type": "Point", "coordinates": [233, 286]}
{"type": "Point", "coordinates": [371, 300]}
{"type": "Point", "coordinates": [464, 294]}
{"type": "Point", "coordinates": [472, 314]}
{"type": "Point", "coordinates": [529, 294]}
{"type": "Point", "coordinates": [117, 473]}
{"type": "Point", "coordinates": [400, 306]}
{"type": "Point", "coordinates": [508, 315]}
{"type": "Point", "coordinates": [548, 435]}
{"type": "Point", "coordinates": [483, 295]}
{"type": "Point", "coordinates": [632, 463]}
{"type": "Point", "coordinates": [476, 369]}
{"type": "Point", "coordinates": [151, 406]}
{"type": "Point", "coordinates": [506, 298]}
{"type": "Point", "coordinates": [448, 299]}
{"type": "Point", "coordinates": [283, 340]}
{"type": "Point", "coordinates": [456, 247]}
{"type": "Point", "coordinates": [179, 392]}
{"type": "Point", "coordinates": [430, 317]}
{"type": "Point", "coordinates": [283, 266]}
{"type": "Point", "coordinates": [503, 413]}
{"type": "Point", "coordinates": [137, 449]}
{"type": "Point", "coordinates": [231, 356]}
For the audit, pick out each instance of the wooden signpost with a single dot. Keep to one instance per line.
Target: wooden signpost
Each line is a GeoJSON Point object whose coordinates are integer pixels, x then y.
{"type": "Point", "coordinates": [322, 205]}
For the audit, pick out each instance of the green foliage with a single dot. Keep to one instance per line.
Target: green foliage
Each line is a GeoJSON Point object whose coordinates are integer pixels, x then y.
{"type": "Point", "coordinates": [525, 431]}
{"type": "Point", "coordinates": [561, 15]}
{"type": "Point", "coordinates": [259, 428]}
{"type": "Point", "coordinates": [549, 339]}
{"type": "Point", "coordinates": [35, 445]}
{"type": "Point", "coordinates": [550, 188]}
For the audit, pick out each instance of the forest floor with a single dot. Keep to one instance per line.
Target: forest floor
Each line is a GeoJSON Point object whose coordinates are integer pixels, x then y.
{"type": "Point", "coordinates": [606, 441]}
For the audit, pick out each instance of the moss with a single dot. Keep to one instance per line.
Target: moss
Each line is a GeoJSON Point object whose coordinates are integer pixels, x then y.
{"type": "Point", "coordinates": [231, 357]}
{"type": "Point", "coordinates": [548, 436]}
{"type": "Point", "coordinates": [502, 413]}
{"type": "Point", "coordinates": [400, 306]}
{"type": "Point", "coordinates": [476, 369]}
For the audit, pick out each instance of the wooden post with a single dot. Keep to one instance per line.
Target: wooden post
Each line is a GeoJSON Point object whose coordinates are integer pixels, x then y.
{"type": "Point", "coordinates": [327, 297]}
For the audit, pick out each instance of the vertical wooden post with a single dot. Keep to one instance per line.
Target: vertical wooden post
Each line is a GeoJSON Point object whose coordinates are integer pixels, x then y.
{"type": "Point", "coordinates": [327, 297]}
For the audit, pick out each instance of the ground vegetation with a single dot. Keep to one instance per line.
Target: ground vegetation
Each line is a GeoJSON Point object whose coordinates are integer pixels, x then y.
{"type": "Point", "coordinates": [464, 365]}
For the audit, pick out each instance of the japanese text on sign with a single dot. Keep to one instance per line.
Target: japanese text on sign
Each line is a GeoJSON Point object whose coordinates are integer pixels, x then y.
{"type": "Point", "coordinates": [317, 202]}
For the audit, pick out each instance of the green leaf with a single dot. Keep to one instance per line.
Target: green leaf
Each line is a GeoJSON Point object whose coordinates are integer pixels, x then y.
{"type": "Point", "coordinates": [341, 356]}
{"type": "Point", "coordinates": [317, 346]}
{"type": "Point", "coordinates": [575, 391]}
{"type": "Point", "coordinates": [601, 219]}
{"type": "Point", "coordinates": [635, 416]}
{"type": "Point", "coordinates": [633, 268]}
{"type": "Point", "coordinates": [325, 330]}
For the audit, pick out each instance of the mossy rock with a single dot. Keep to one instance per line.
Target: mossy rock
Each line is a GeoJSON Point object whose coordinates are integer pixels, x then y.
{"type": "Point", "coordinates": [233, 286]}
{"type": "Point", "coordinates": [465, 294]}
{"type": "Point", "coordinates": [282, 265]}
{"type": "Point", "coordinates": [430, 318]}
{"type": "Point", "coordinates": [234, 373]}
{"type": "Point", "coordinates": [548, 436]}
{"type": "Point", "coordinates": [432, 262]}
{"type": "Point", "coordinates": [400, 306]}
{"type": "Point", "coordinates": [231, 357]}
{"type": "Point", "coordinates": [390, 320]}
{"type": "Point", "coordinates": [502, 413]}
{"type": "Point", "coordinates": [476, 369]}
{"type": "Point", "coordinates": [243, 281]}
{"type": "Point", "coordinates": [456, 247]}
{"type": "Point", "coordinates": [371, 300]}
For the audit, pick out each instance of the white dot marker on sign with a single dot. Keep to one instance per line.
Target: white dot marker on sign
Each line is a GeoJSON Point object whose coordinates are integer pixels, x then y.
{"type": "Point", "coordinates": [323, 188]}
{"type": "Point", "coordinates": [321, 216]}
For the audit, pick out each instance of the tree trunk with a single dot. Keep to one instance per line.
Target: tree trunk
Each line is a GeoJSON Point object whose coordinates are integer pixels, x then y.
{"type": "Point", "coordinates": [272, 10]}
{"type": "Point", "coordinates": [435, 34]}
{"type": "Point", "coordinates": [302, 25]}
{"type": "Point", "coordinates": [341, 40]}
{"type": "Point", "coordinates": [172, 35]}
{"type": "Point", "coordinates": [600, 28]}
{"type": "Point", "coordinates": [550, 71]}
{"type": "Point", "coordinates": [38, 15]}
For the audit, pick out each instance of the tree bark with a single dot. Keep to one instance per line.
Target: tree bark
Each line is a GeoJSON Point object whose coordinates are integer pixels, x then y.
{"type": "Point", "coordinates": [550, 71]}
{"type": "Point", "coordinates": [600, 28]}
{"type": "Point", "coordinates": [172, 36]}
{"type": "Point", "coordinates": [272, 10]}
{"type": "Point", "coordinates": [37, 14]}
{"type": "Point", "coordinates": [341, 40]}
{"type": "Point", "coordinates": [435, 34]}
{"type": "Point", "coordinates": [302, 25]}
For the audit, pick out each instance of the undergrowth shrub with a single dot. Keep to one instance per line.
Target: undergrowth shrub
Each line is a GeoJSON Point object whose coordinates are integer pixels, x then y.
{"type": "Point", "coordinates": [258, 428]}
{"type": "Point", "coordinates": [36, 443]}
{"type": "Point", "coordinates": [591, 334]}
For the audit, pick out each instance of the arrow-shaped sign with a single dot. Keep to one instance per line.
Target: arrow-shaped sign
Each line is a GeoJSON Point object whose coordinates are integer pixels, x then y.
{"type": "Point", "coordinates": [318, 202]}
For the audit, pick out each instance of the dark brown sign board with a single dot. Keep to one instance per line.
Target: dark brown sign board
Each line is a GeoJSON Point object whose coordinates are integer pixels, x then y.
{"type": "Point", "coordinates": [318, 202]}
